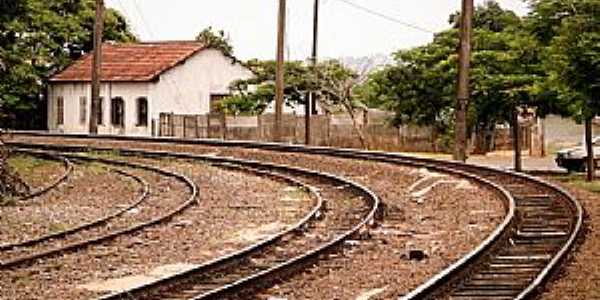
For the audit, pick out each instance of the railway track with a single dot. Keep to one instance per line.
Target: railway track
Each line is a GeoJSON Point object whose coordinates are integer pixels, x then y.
{"type": "Point", "coordinates": [542, 223]}
{"type": "Point", "coordinates": [94, 232]}
{"type": "Point", "coordinates": [349, 208]}
{"type": "Point", "coordinates": [60, 179]}
{"type": "Point", "coordinates": [145, 189]}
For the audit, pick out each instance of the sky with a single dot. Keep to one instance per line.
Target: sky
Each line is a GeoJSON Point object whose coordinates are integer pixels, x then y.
{"type": "Point", "coordinates": [345, 30]}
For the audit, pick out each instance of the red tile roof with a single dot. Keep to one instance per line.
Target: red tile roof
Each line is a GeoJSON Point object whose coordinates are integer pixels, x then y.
{"type": "Point", "coordinates": [137, 62]}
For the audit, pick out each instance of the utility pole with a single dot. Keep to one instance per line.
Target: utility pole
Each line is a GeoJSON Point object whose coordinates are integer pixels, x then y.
{"type": "Point", "coordinates": [590, 162]}
{"type": "Point", "coordinates": [311, 101]}
{"type": "Point", "coordinates": [462, 99]}
{"type": "Point", "coordinates": [279, 80]}
{"type": "Point", "coordinates": [516, 137]}
{"type": "Point", "coordinates": [96, 66]}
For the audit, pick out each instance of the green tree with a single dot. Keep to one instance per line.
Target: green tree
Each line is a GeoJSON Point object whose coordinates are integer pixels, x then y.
{"type": "Point", "coordinates": [571, 30]}
{"type": "Point", "coordinates": [333, 84]}
{"type": "Point", "coordinates": [37, 39]}
{"type": "Point", "coordinates": [490, 16]}
{"type": "Point", "coordinates": [215, 39]}
{"type": "Point", "coordinates": [325, 80]}
{"type": "Point", "coordinates": [420, 87]}
{"type": "Point", "coordinates": [253, 95]}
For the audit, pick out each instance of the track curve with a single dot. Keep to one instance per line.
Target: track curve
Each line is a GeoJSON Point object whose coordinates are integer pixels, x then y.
{"type": "Point", "coordinates": [62, 178]}
{"type": "Point", "coordinates": [534, 251]}
{"type": "Point", "coordinates": [74, 246]}
{"type": "Point", "coordinates": [88, 225]}
{"type": "Point", "coordinates": [278, 261]}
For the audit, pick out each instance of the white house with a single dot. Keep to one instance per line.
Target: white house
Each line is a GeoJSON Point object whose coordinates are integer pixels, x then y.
{"type": "Point", "coordinates": [138, 82]}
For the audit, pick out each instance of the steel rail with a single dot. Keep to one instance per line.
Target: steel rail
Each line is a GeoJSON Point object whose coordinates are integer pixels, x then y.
{"type": "Point", "coordinates": [509, 201]}
{"type": "Point", "coordinates": [41, 191]}
{"type": "Point", "coordinates": [145, 190]}
{"type": "Point", "coordinates": [193, 191]}
{"type": "Point", "coordinates": [557, 258]}
{"type": "Point", "coordinates": [237, 255]}
{"type": "Point", "coordinates": [367, 219]}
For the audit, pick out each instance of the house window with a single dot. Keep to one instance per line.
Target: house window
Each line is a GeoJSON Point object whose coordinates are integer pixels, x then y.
{"type": "Point", "coordinates": [142, 111]}
{"type": "Point", "coordinates": [100, 112]}
{"type": "Point", "coordinates": [118, 112]}
{"type": "Point", "coordinates": [60, 111]}
{"type": "Point", "coordinates": [82, 109]}
{"type": "Point", "coordinates": [215, 101]}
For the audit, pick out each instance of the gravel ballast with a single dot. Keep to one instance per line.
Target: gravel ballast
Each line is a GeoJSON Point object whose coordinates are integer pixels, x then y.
{"type": "Point", "coordinates": [580, 277]}
{"type": "Point", "coordinates": [440, 221]}
{"type": "Point", "coordinates": [88, 193]}
{"type": "Point", "coordinates": [234, 210]}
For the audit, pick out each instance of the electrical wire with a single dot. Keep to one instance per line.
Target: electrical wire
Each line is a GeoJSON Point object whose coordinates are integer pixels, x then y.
{"type": "Point", "coordinates": [384, 16]}
{"type": "Point", "coordinates": [150, 32]}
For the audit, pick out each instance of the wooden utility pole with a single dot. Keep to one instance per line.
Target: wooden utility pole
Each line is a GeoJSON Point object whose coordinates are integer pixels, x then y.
{"type": "Point", "coordinates": [591, 168]}
{"type": "Point", "coordinates": [462, 99]}
{"type": "Point", "coordinates": [311, 101]}
{"type": "Point", "coordinates": [279, 80]}
{"type": "Point", "coordinates": [96, 66]}
{"type": "Point", "coordinates": [516, 137]}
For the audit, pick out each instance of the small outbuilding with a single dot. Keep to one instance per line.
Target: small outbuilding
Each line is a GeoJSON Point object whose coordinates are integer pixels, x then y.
{"type": "Point", "coordinates": [139, 81]}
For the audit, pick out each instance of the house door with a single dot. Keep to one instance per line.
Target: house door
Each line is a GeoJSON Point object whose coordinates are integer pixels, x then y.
{"type": "Point", "coordinates": [118, 114]}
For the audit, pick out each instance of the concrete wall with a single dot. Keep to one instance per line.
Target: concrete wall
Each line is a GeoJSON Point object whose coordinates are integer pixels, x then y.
{"type": "Point", "coordinates": [327, 130]}
{"type": "Point", "coordinates": [560, 132]}
{"type": "Point", "coordinates": [185, 89]}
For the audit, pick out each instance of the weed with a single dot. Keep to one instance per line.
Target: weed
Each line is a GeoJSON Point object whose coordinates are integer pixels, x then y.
{"type": "Point", "coordinates": [57, 227]}
{"type": "Point", "coordinates": [26, 164]}
{"type": "Point", "coordinates": [8, 201]}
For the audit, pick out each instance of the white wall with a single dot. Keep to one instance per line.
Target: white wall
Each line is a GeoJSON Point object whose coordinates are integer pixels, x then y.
{"type": "Point", "coordinates": [71, 92]}
{"type": "Point", "coordinates": [185, 89]}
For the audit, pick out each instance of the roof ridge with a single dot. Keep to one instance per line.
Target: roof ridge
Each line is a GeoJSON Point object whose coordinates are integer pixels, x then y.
{"type": "Point", "coordinates": [165, 42]}
{"type": "Point", "coordinates": [132, 61]}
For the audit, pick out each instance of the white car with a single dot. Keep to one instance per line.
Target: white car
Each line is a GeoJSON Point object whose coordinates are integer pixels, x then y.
{"type": "Point", "coordinates": [574, 159]}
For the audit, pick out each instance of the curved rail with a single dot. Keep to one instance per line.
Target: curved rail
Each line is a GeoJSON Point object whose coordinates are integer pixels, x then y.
{"type": "Point", "coordinates": [109, 236]}
{"type": "Point", "coordinates": [68, 170]}
{"type": "Point", "coordinates": [576, 217]}
{"type": "Point", "coordinates": [237, 255]}
{"type": "Point", "coordinates": [98, 222]}
{"type": "Point", "coordinates": [368, 218]}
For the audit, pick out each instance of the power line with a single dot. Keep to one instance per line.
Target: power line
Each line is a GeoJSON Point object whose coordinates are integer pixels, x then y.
{"type": "Point", "coordinates": [143, 19]}
{"type": "Point", "coordinates": [171, 82]}
{"type": "Point", "coordinates": [389, 18]}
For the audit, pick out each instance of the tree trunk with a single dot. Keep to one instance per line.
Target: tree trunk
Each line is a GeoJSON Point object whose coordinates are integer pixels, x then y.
{"type": "Point", "coordinates": [484, 138]}
{"type": "Point", "coordinates": [11, 185]}
{"type": "Point", "coordinates": [357, 129]}
{"type": "Point", "coordinates": [479, 139]}
{"type": "Point", "coordinates": [516, 140]}
{"type": "Point", "coordinates": [590, 149]}
{"type": "Point", "coordinates": [490, 136]}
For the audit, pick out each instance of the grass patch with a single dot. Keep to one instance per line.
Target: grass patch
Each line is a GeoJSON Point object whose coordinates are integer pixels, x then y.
{"type": "Point", "coordinates": [25, 164]}
{"type": "Point", "coordinates": [57, 227]}
{"type": "Point", "coordinates": [112, 154]}
{"type": "Point", "coordinates": [593, 187]}
{"type": "Point", "coordinates": [96, 168]}
{"type": "Point", "coordinates": [434, 155]}
{"type": "Point", "coordinates": [580, 182]}
{"type": "Point", "coordinates": [296, 193]}
{"type": "Point", "coordinates": [8, 201]}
